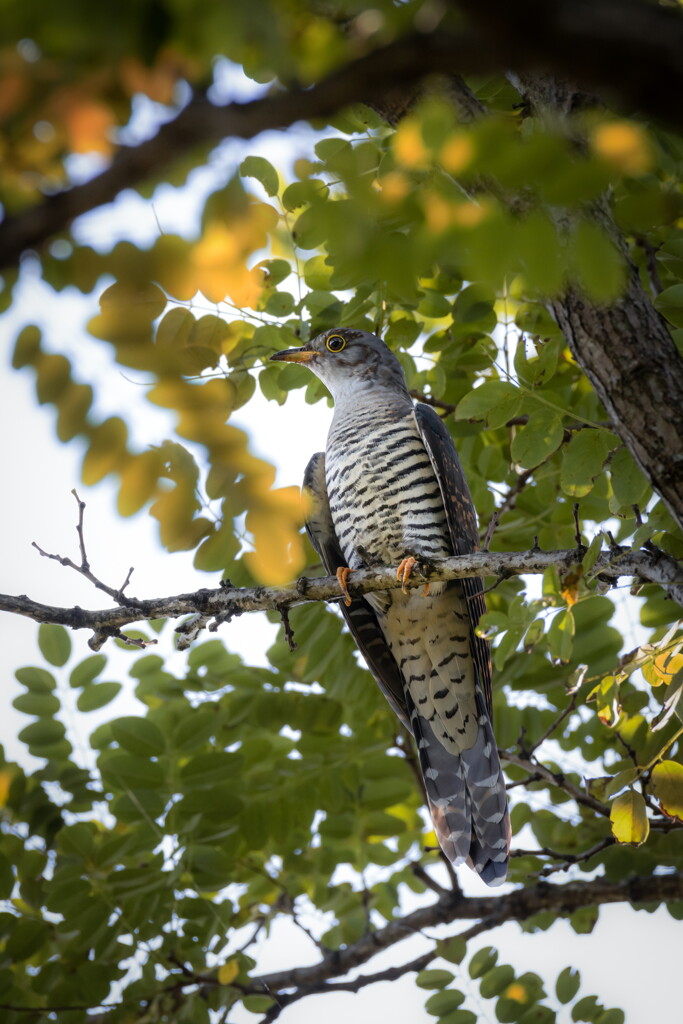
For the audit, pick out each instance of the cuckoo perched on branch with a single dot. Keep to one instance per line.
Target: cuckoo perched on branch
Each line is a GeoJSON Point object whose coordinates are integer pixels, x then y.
{"type": "Point", "coordinates": [390, 488]}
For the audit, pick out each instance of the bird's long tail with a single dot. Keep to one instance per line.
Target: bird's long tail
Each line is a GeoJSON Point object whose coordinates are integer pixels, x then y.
{"type": "Point", "coordinates": [467, 798]}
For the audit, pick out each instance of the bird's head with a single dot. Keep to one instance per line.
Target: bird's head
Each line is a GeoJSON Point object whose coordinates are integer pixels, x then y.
{"type": "Point", "coordinates": [346, 359]}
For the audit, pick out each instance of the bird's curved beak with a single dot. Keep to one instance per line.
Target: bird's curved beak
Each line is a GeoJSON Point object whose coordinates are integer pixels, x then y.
{"type": "Point", "coordinates": [294, 355]}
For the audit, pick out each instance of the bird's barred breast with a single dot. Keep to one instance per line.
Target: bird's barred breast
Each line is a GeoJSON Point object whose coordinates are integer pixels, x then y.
{"type": "Point", "coordinates": [384, 497]}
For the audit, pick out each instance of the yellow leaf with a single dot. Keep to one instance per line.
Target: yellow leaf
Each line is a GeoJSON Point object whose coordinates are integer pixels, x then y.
{"type": "Point", "coordinates": [629, 818]}
{"type": "Point", "coordinates": [6, 777]}
{"type": "Point", "coordinates": [409, 146]}
{"type": "Point", "coordinates": [516, 991]}
{"type": "Point", "coordinates": [624, 145]}
{"type": "Point", "coordinates": [88, 126]}
{"type": "Point", "coordinates": [666, 665]}
{"type": "Point", "coordinates": [667, 783]}
{"type": "Point", "coordinates": [228, 972]}
{"type": "Point", "coordinates": [394, 187]}
{"type": "Point", "coordinates": [456, 153]}
{"type": "Point", "coordinates": [570, 585]}
{"type": "Point", "coordinates": [107, 452]}
{"type": "Point", "coordinates": [278, 549]}
{"type": "Point", "coordinates": [139, 481]}
{"type": "Point", "coordinates": [73, 405]}
{"type": "Point", "coordinates": [220, 257]}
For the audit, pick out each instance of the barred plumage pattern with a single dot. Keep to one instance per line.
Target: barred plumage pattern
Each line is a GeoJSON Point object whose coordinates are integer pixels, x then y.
{"type": "Point", "coordinates": [385, 503]}
{"type": "Point", "coordinates": [390, 486]}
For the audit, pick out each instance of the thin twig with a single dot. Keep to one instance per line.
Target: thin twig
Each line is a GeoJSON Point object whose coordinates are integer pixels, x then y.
{"type": "Point", "coordinates": [558, 721]}
{"type": "Point", "coordinates": [507, 505]}
{"type": "Point", "coordinates": [566, 859]}
{"type": "Point", "coordinates": [84, 568]}
{"type": "Point", "coordinates": [289, 632]}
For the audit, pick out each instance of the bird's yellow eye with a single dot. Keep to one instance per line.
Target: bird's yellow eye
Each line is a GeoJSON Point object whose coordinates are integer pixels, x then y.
{"type": "Point", "coordinates": [336, 343]}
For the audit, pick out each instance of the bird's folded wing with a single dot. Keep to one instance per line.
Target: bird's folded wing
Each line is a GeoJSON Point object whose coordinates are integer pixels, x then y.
{"type": "Point", "coordinates": [462, 525]}
{"type": "Point", "coordinates": [360, 618]}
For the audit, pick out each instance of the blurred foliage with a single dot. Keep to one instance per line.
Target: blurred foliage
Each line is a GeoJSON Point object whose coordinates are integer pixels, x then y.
{"type": "Point", "coordinates": [240, 793]}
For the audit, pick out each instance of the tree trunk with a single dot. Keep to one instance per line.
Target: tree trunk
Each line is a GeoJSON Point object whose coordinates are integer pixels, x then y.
{"type": "Point", "coordinates": [625, 349]}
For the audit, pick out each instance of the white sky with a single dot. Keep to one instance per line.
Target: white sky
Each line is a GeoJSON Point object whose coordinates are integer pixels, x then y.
{"type": "Point", "coordinates": [629, 960]}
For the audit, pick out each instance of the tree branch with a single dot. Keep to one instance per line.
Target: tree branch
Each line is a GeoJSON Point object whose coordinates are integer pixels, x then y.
{"type": "Point", "coordinates": [627, 49]}
{"type": "Point", "coordinates": [514, 906]}
{"type": "Point", "coordinates": [288, 986]}
{"type": "Point", "coordinates": [489, 912]}
{"type": "Point", "coordinates": [226, 602]}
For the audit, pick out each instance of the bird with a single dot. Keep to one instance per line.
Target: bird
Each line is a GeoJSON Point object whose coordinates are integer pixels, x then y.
{"type": "Point", "coordinates": [389, 489]}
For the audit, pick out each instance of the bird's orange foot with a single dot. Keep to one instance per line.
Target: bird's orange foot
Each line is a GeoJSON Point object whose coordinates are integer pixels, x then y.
{"type": "Point", "coordinates": [404, 570]}
{"type": "Point", "coordinates": [343, 573]}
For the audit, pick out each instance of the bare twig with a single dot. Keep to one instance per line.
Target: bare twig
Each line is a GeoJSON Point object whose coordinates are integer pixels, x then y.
{"type": "Point", "coordinates": [286, 625]}
{"type": "Point", "coordinates": [558, 721]}
{"type": "Point", "coordinates": [566, 859]}
{"type": "Point", "coordinates": [558, 779]}
{"type": "Point", "coordinates": [84, 568]}
{"type": "Point", "coordinates": [508, 503]}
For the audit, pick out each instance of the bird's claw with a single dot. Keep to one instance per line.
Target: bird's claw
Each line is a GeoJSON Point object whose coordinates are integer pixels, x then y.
{"type": "Point", "coordinates": [343, 573]}
{"type": "Point", "coordinates": [404, 570]}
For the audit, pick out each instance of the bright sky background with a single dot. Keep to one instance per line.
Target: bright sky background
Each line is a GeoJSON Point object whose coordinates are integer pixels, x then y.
{"type": "Point", "coordinates": [630, 960]}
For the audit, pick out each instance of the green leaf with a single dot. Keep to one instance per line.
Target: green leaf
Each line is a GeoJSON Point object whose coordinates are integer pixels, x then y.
{"type": "Point", "coordinates": [483, 961]}
{"type": "Point", "coordinates": [264, 172]}
{"type": "Point", "coordinates": [97, 695]}
{"type": "Point", "coordinates": [434, 979]}
{"type": "Point", "coordinates": [132, 772]}
{"type": "Point", "coordinates": [588, 1009]}
{"type": "Point", "coordinates": [561, 635]}
{"type": "Point", "coordinates": [670, 303]}
{"type": "Point", "coordinates": [42, 705]}
{"type": "Point", "coordinates": [473, 310]}
{"type": "Point", "coordinates": [42, 733]}
{"type": "Point", "coordinates": [495, 980]}
{"type": "Point", "coordinates": [583, 921]}
{"type": "Point", "coordinates": [533, 634]}
{"type": "Point", "coordinates": [459, 1017]}
{"type": "Point", "coordinates": [597, 264]}
{"type": "Point", "coordinates": [280, 304]}
{"type": "Point", "coordinates": [453, 949]}
{"type": "Point", "coordinates": [6, 878]}
{"type": "Point", "coordinates": [27, 937]}
{"type": "Point", "coordinates": [591, 556]}
{"type": "Point", "coordinates": [444, 1002]}
{"type": "Point", "coordinates": [210, 865]}
{"type": "Point", "coordinates": [667, 783]}
{"type": "Point", "coordinates": [583, 459]}
{"type": "Point", "coordinates": [628, 816]}
{"type": "Point", "coordinates": [567, 984]}
{"type": "Point", "coordinates": [138, 735]}
{"type": "Point", "coordinates": [535, 442]}
{"type": "Point", "coordinates": [77, 840]}
{"type": "Point", "coordinates": [38, 680]}
{"type": "Point", "coordinates": [54, 643]}
{"type": "Point", "coordinates": [87, 670]}
{"type": "Point", "coordinates": [613, 1016]}
{"type": "Point", "coordinates": [496, 401]}
{"type": "Point", "coordinates": [542, 366]}
{"type": "Point", "coordinates": [317, 273]}
{"type": "Point", "coordinates": [276, 271]}
{"type": "Point", "coordinates": [193, 730]}
{"type": "Point", "coordinates": [628, 482]}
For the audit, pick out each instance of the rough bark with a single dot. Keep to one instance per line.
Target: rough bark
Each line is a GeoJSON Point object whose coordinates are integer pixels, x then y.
{"type": "Point", "coordinates": [624, 348]}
